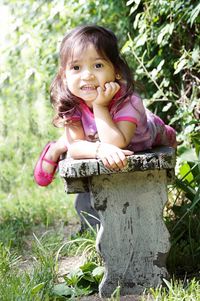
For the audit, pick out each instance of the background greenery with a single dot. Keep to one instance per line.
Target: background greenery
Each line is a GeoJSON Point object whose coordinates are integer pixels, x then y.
{"type": "Point", "coordinates": [160, 39]}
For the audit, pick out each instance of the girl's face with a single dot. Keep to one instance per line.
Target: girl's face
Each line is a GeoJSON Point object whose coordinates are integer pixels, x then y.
{"type": "Point", "coordinates": [86, 71]}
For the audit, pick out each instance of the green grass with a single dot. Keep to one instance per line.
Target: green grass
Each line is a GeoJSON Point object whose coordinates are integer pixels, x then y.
{"type": "Point", "coordinates": [33, 284]}
{"type": "Point", "coordinates": [177, 291]}
{"type": "Point", "coordinates": [42, 246]}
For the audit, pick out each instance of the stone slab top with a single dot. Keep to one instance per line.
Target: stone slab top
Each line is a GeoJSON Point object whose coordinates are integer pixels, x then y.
{"type": "Point", "coordinates": [156, 158]}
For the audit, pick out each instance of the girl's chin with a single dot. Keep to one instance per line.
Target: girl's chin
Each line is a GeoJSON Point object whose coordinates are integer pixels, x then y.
{"type": "Point", "coordinates": [88, 102]}
{"type": "Point", "coordinates": [89, 98]}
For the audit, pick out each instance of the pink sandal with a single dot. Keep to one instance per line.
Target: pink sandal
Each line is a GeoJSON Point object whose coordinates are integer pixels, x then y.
{"type": "Point", "coordinates": [42, 177]}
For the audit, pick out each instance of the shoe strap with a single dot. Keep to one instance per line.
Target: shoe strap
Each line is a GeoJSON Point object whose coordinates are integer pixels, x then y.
{"type": "Point", "coordinates": [50, 162]}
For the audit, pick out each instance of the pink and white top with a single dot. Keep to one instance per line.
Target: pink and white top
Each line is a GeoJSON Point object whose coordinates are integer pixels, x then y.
{"type": "Point", "coordinates": [131, 109]}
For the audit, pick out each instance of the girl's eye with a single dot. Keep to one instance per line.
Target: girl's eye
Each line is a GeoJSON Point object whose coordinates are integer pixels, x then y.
{"type": "Point", "coordinates": [76, 68]}
{"type": "Point", "coordinates": [99, 65]}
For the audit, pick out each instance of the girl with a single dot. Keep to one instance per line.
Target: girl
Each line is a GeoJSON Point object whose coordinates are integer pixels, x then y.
{"type": "Point", "coordinates": [94, 100]}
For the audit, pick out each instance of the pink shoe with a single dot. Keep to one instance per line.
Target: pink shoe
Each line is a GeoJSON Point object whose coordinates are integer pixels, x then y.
{"type": "Point", "coordinates": [42, 177]}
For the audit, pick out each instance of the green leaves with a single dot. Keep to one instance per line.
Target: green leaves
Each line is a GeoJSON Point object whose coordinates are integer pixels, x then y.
{"type": "Point", "coordinates": [165, 33]}
{"type": "Point", "coordinates": [194, 14]}
{"type": "Point", "coordinates": [189, 60]}
{"type": "Point", "coordinates": [135, 6]}
{"type": "Point", "coordinates": [164, 44]}
{"type": "Point", "coordinates": [37, 288]}
{"type": "Point", "coordinates": [82, 281]}
{"type": "Point", "coordinates": [63, 290]}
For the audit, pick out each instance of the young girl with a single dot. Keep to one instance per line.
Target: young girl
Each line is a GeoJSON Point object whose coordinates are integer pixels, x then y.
{"type": "Point", "coordinates": [94, 100]}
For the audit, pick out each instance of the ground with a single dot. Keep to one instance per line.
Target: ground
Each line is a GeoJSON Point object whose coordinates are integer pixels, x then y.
{"type": "Point", "coordinates": [67, 264]}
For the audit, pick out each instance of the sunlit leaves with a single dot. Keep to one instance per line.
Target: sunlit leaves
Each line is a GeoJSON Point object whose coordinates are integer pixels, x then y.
{"type": "Point", "coordinates": [194, 14]}
{"type": "Point", "coordinates": [165, 32]}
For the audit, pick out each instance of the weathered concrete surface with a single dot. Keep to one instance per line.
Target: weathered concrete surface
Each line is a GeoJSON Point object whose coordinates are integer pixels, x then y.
{"type": "Point", "coordinates": [158, 158]}
{"type": "Point", "coordinates": [133, 239]}
{"type": "Point", "coordinates": [76, 172]}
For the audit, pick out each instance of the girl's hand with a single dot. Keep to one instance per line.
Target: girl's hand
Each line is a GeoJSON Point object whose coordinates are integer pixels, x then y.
{"type": "Point", "coordinates": [104, 96]}
{"type": "Point", "coordinates": [113, 157]}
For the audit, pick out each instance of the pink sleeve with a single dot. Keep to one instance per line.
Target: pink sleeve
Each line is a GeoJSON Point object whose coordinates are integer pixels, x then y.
{"type": "Point", "coordinates": [130, 110]}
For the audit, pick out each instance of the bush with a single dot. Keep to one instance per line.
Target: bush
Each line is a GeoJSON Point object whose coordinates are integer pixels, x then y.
{"type": "Point", "coordinates": [164, 47]}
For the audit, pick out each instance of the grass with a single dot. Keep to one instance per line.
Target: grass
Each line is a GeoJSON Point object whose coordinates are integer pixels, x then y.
{"type": "Point", "coordinates": [27, 261]}
{"type": "Point", "coordinates": [37, 280]}
{"type": "Point", "coordinates": [33, 284]}
{"type": "Point", "coordinates": [177, 291]}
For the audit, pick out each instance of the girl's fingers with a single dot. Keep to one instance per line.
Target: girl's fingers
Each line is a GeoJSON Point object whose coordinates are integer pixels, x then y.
{"type": "Point", "coordinates": [119, 160]}
{"type": "Point", "coordinates": [100, 90]}
{"type": "Point", "coordinates": [114, 162]}
{"type": "Point", "coordinates": [114, 158]}
{"type": "Point", "coordinates": [123, 159]}
{"type": "Point", "coordinates": [106, 163]}
{"type": "Point", "coordinates": [127, 152]}
{"type": "Point", "coordinates": [112, 88]}
{"type": "Point", "coordinates": [109, 163]}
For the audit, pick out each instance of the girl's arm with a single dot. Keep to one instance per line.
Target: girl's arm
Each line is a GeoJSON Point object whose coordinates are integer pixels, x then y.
{"type": "Point", "coordinates": [79, 148]}
{"type": "Point", "coordinates": [118, 134]}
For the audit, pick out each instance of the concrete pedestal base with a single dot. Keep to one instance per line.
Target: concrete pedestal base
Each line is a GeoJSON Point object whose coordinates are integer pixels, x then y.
{"type": "Point", "coordinates": [133, 239]}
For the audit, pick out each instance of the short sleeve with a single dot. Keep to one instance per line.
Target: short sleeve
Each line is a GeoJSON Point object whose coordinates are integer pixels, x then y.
{"type": "Point", "coordinates": [130, 110]}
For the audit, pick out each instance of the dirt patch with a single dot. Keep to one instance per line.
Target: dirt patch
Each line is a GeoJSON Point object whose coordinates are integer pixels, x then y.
{"type": "Point", "coordinates": [68, 264]}
{"type": "Point", "coordinates": [27, 260]}
{"type": "Point", "coordinates": [123, 298]}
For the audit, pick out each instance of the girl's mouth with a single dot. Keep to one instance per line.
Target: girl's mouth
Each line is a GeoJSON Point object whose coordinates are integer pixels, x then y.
{"type": "Point", "coordinates": [88, 88]}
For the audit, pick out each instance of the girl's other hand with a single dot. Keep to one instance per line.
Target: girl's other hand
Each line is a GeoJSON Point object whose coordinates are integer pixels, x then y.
{"type": "Point", "coordinates": [104, 96]}
{"type": "Point", "coordinates": [113, 157]}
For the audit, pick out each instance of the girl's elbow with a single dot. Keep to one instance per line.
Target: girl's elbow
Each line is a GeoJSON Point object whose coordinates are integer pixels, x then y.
{"type": "Point", "coordinates": [122, 144]}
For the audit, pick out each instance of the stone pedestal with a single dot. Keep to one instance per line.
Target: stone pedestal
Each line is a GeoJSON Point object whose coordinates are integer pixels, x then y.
{"type": "Point", "coordinates": [133, 239]}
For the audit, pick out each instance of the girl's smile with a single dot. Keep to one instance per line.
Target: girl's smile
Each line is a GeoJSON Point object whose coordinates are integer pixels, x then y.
{"type": "Point", "coordinates": [88, 87]}
{"type": "Point", "coordinates": [86, 72]}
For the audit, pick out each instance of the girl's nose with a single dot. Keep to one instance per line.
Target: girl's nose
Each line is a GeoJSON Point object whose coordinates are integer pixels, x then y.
{"type": "Point", "coordinates": [87, 75]}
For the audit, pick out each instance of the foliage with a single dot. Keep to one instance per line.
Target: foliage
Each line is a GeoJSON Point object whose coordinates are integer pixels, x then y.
{"type": "Point", "coordinates": [185, 226]}
{"type": "Point", "coordinates": [163, 47]}
{"type": "Point", "coordinates": [165, 43]}
{"type": "Point", "coordinates": [82, 281]}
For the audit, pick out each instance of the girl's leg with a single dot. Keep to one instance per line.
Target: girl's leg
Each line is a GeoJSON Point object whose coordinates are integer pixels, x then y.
{"type": "Point", "coordinates": [163, 134]}
{"type": "Point", "coordinates": [83, 204]}
{"type": "Point", "coordinates": [171, 136]}
{"type": "Point", "coordinates": [54, 152]}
